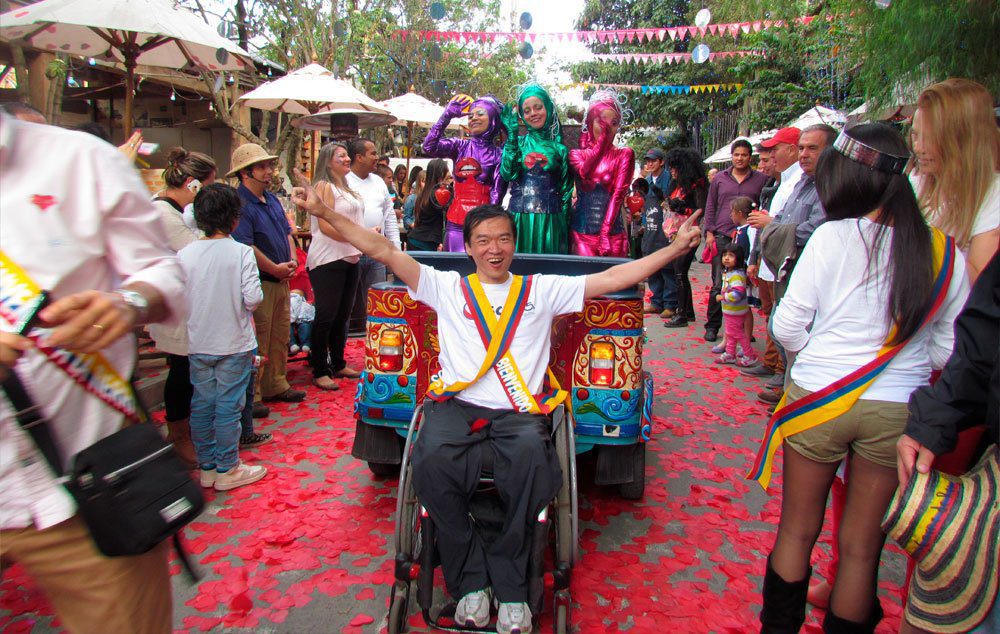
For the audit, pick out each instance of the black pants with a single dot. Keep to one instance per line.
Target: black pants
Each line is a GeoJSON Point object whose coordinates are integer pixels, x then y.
{"type": "Point", "coordinates": [446, 463]}
{"type": "Point", "coordinates": [685, 303]}
{"type": "Point", "coordinates": [334, 285]}
{"type": "Point", "coordinates": [714, 321]}
{"type": "Point", "coordinates": [177, 389]}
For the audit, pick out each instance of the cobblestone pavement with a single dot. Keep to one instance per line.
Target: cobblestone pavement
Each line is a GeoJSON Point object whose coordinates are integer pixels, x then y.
{"type": "Point", "coordinates": [309, 549]}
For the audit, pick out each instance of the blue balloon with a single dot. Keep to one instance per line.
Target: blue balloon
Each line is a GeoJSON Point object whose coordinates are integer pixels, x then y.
{"type": "Point", "coordinates": [437, 10]}
{"type": "Point", "coordinates": [525, 21]}
{"type": "Point", "coordinates": [526, 50]}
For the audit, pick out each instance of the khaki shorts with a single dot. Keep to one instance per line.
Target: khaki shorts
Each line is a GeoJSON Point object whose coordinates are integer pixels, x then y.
{"type": "Point", "coordinates": [870, 429]}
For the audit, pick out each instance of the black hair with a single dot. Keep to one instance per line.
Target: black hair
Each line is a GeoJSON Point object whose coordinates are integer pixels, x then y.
{"type": "Point", "coordinates": [383, 171]}
{"type": "Point", "coordinates": [414, 174]}
{"type": "Point", "coordinates": [94, 128]}
{"type": "Point", "coordinates": [658, 193]}
{"type": "Point", "coordinates": [849, 189]}
{"type": "Point", "coordinates": [480, 214]}
{"type": "Point", "coordinates": [689, 166]}
{"type": "Point", "coordinates": [641, 185]}
{"type": "Point", "coordinates": [182, 164]}
{"type": "Point", "coordinates": [357, 146]}
{"type": "Point", "coordinates": [741, 143]}
{"type": "Point", "coordinates": [217, 208]}
{"type": "Point", "coordinates": [437, 169]}
{"type": "Point", "coordinates": [742, 204]}
{"type": "Point", "coordinates": [736, 250]}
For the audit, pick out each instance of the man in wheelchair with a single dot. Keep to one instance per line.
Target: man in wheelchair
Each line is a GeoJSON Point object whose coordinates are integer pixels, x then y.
{"type": "Point", "coordinates": [491, 395]}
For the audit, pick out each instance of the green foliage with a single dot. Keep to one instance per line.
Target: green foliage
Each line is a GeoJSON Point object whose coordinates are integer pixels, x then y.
{"type": "Point", "coordinates": [360, 40]}
{"type": "Point", "coordinates": [915, 42]}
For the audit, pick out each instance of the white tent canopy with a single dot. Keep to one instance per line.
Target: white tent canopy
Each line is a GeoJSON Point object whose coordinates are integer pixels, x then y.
{"type": "Point", "coordinates": [813, 116]}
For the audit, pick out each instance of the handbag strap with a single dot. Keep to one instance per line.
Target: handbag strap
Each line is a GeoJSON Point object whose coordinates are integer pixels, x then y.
{"type": "Point", "coordinates": [30, 418]}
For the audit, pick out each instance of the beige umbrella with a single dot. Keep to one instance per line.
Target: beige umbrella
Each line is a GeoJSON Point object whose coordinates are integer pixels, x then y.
{"type": "Point", "coordinates": [309, 90]}
{"type": "Point", "coordinates": [148, 32]}
{"type": "Point", "coordinates": [412, 110]}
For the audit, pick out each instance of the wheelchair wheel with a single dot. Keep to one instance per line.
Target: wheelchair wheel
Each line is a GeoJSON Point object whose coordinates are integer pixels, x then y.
{"type": "Point", "coordinates": [567, 530]}
{"type": "Point", "coordinates": [399, 607]}
{"type": "Point", "coordinates": [407, 529]}
{"type": "Point", "coordinates": [635, 489]}
{"type": "Point", "coordinates": [562, 619]}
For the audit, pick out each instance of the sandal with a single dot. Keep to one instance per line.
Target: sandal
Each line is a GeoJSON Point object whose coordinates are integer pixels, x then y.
{"type": "Point", "coordinates": [326, 383]}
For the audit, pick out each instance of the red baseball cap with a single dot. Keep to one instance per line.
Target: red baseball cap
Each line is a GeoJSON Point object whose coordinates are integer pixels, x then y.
{"type": "Point", "coordinates": [784, 135]}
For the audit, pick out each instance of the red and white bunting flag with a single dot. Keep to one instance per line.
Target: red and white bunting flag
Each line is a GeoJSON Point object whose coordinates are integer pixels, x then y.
{"type": "Point", "coordinates": [519, 37]}
{"type": "Point", "coordinates": [713, 29]}
{"type": "Point", "coordinates": [531, 37]}
{"type": "Point", "coordinates": [602, 37]}
{"type": "Point", "coordinates": [734, 30]}
{"type": "Point", "coordinates": [701, 30]}
{"type": "Point", "coordinates": [807, 19]}
{"type": "Point", "coordinates": [757, 26]}
{"type": "Point", "coordinates": [661, 33]}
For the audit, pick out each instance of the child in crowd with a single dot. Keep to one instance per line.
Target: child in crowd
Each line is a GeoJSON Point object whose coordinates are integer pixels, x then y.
{"type": "Point", "coordinates": [739, 210]}
{"type": "Point", "coordinates": [303, 314]}
{"type": "Point", "coordinates": [734, 308]}
{"type": "Point", "coordinates": [223, 289]}
{"type": "Point", "coordinates": [635, 204]}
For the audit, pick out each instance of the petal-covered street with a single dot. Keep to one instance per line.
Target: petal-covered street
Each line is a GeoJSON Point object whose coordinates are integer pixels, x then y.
{"type": "Point", "coordinates": [310, 548]}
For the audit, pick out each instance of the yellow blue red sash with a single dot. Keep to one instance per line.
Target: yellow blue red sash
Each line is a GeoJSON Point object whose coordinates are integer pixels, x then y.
{"type": "Point", "coordinates": [838, 397]}
{"type": "Point", "coordinates": [497, 335]}
{"type": "Point", "coordinates": [18, 294]}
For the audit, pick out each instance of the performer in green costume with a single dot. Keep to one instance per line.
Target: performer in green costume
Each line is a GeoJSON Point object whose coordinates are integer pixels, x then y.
{"type": "Point", "coordinates": [537, 167]}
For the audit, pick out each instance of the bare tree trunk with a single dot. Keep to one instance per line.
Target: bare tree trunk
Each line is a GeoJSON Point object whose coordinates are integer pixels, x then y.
{"type": "Point", "coordinates": [220, 100]}
{"type": "Point", "coordinates": [53, 101]}
{"type": "Point", "coordinates": [21, 69]}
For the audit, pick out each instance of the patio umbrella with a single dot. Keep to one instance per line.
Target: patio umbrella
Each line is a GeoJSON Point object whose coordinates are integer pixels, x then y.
{"type": "Point", "coordinates": [724, 154]}
{"type": "Point", "coordinates": [819, 114]}
{"type": "Point", "coordinates": [149, 32]}
{"type": "Point", "coordinates": [412, 110]}
{"type": "Point", "coordinates": [307, 91]}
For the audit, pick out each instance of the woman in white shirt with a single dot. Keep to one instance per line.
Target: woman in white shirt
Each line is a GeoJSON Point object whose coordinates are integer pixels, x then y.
{"type": "Point", "coordinates": [186, 173]}
{"type": "Point", "coordinates": [957, 176]}
{"type": "Point", "coordinates": [865, 280]}
{"type": "Point", "coordinates": [333, 268]}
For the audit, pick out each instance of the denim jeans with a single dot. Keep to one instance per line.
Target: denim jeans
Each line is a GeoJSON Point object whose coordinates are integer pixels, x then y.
{"type": "Point", "coordinates": [220, 393]}
{"type": "Point", "coordinates": [301, 334]}
{"type": "Point", "coordinates": [663, 285]}
{"type": "Point", "coordinates": [370, 271]}
{"type": "Point", "coordinates": [246, 416]}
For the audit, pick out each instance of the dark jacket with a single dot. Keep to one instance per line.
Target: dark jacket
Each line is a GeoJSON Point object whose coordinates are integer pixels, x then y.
{"type": "Point", "coordinates": [428, 223]}
{"type": "Point", "coordinates": [968, 392]}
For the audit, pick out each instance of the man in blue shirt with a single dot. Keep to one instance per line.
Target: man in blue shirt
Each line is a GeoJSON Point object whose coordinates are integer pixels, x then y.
{"type": "Point", "coordinates": [264, 228]}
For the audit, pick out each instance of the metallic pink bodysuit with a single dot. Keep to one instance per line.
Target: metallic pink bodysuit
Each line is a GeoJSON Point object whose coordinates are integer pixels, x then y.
{"type": "Point", "coordinates": [603, 175]}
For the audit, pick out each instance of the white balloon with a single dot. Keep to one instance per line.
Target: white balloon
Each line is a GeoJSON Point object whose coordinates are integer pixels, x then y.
{"type": "Point", "coordinates": [700, 54]}
{"type": "Point", "coordinates": [703, 17]}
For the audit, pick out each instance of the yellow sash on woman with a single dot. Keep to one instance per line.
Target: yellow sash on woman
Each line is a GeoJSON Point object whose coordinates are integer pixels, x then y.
{"type": "Point", "coordinates": [497, 336]}
{"type": "Point", "coordinates": [18, 295]}
{"type": "Point", "coordinates": [838, 397]}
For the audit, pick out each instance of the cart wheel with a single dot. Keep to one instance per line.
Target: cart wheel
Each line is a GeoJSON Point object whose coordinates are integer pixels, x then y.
{"type": "Point", "coordinates": [383, 470]}
{"type": "Point", "coordinates": [399, 603]}
{"type": "Point", "coordinates": [634, 490]}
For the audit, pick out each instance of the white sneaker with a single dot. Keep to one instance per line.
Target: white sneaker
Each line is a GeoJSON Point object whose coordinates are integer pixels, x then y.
{"type": "Point", "coordinates": [514, 618]}
{"type": "Point", "coordinates": [207, 477]}
{"type": "Point", "coordinates": [238, 476]}
{"type": "Point", "coordinates": [306, 349]}
{"type": "Point", "coordinates": [293, 349]}
{"type": "Point", "coordinates": [473, 609]}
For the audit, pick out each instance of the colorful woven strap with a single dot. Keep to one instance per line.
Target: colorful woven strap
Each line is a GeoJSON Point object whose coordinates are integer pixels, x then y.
{"type": "Point", "coordinates": [497, 335]}
{"type": "Point", "coordinates": [838, 397]}
{"type": "Point", "coordinates": [18, 293]}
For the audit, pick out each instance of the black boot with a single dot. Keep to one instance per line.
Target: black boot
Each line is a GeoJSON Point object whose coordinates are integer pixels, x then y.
{"type": "Point", "coordinates": [679, 320]}
{"type": "Point", "coordinates": [784, 609]}
{"type": "Point", "coordinates": [833, 624]}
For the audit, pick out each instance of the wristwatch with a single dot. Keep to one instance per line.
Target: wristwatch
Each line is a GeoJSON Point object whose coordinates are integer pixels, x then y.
{"type": "Point", "coordinates": [137, 302]}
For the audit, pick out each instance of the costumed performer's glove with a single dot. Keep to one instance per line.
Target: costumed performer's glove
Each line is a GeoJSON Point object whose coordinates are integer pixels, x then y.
{"type": "Point", "coordinates": [457, 106]}
{"type": "Point", "coordinates": [509, 120]}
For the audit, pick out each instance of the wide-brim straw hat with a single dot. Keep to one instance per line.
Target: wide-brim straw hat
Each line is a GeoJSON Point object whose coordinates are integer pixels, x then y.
{"type": "Point", "coordinates": [246, 155]}
{"type": "Point", "coordinates": [951, 527]}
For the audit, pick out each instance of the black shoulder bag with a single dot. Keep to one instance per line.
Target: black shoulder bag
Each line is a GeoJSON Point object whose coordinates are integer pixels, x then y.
{"type": "Point", "coordinates": [131, 488]}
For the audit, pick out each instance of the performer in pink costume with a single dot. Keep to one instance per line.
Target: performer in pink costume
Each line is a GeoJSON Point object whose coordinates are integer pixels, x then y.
{"type": "Point", "coordinates": [603, 174]}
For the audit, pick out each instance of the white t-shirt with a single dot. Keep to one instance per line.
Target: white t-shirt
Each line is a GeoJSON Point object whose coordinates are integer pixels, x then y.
{"type": "Point", "coordinates": [830, 288]}
{"type": "Point", "coordinates": [378, 204]}
{"type": "Point", "coordinates": [223, 289]}
{"type": "Point", "coordinates": [462, 350]}
{"type": "Point", "coordinates": [987, 218]}
{"type": "Point", "coordinates": [789, 179]}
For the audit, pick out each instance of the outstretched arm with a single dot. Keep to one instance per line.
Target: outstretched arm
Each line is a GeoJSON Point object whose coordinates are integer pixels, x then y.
{"type": "Point", "coordinates": [372, 244]}
{"type": "Point", "coordinates": [631, 273]}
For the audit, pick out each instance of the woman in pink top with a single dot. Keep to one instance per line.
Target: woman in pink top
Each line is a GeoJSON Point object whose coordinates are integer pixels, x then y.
{"type": "Point", "coordinates": [333, 269]}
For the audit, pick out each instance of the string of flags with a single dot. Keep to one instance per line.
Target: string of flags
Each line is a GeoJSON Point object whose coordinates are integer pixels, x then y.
{"type": "Point", "coordinates": [667, 58]}
{"type": "Point", "coordinates": [661, 89]}
{"type": "Point", "coordinates": [616, 36]}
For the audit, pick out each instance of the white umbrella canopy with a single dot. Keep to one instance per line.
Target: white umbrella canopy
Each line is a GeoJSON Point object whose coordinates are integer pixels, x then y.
{"type": "Point", "coordinates": [412, 109]}
{"type": "Point", "coordinates": [309, 90]}
{"type": "Point", "coordinates": [148, 32]}
{"type": "Point", "coordinates": [724, 154]}
{"type": "Point", "coordinates": [819, 114]}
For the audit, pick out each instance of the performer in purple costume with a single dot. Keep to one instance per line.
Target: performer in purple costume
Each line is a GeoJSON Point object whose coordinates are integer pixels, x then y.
{"type": "Point", "coordinates": [488, 187]}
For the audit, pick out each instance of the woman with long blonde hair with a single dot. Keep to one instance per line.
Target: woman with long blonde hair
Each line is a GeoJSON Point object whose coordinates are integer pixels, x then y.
{"type": "Point", "coordinates": [957, 173]}
{"type": "Point", "coordinates": [333, 268]}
